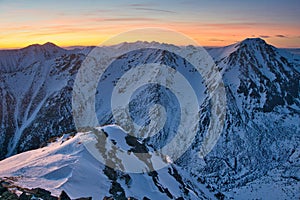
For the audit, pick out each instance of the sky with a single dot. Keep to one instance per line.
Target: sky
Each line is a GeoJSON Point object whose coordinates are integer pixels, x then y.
{"type": "Point", "coordinates": [90, 22]}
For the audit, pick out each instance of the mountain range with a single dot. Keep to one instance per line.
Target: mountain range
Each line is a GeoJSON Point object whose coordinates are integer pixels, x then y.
{"type": "Point", "coordinates": [256, 157]}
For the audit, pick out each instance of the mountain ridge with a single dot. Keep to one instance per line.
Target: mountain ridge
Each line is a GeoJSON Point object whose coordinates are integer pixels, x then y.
{"type": "Point", "coordinates": [260, 140]}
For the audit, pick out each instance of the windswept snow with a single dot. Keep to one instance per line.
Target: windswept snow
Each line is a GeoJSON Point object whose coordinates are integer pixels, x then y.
{"type": "Point", "coordinates": [67, 165]}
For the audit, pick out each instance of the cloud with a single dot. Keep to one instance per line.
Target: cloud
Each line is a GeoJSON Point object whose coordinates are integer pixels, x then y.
{"type": "Point", "coordinates": [264, 36]}
{"type": "Point", "coordinates": [238, 25]}
{"type": "Point", "coordinates": [148, 7]}
{"type": "Point", "coordinates": [129, 19]}
{"type": "Point", "coordinates": [268, 36]}
{"type": "Point", "coordinates": [280, 36]}
{"type": "Point", "coordinates": [216, 40]}
{"type": "Point", "coordinates": [141, 4]}
{"type": "Point", "coordinates": [155, 10]}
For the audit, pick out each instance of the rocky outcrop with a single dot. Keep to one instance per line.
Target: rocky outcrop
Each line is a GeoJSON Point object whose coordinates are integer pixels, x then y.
{"type": "Point", "coordinates": [8, 192]}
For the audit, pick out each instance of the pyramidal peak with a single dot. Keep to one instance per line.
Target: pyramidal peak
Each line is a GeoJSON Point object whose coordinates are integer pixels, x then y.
{"type": "Point", "coordinates": [252, 42]}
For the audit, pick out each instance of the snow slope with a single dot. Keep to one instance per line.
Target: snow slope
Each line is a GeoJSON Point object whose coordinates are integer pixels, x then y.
{"type": "Point", "coordinates": [67, 165]}
{"type": "Point", "coordinates": [34, 85]}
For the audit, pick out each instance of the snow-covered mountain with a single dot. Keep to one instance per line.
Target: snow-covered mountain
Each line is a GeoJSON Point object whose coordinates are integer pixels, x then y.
{"type": "Point", "coordinates": [67, 165]}
{"type": "Point", "coordinates": [35, 88]}
{"type": "Point", "coordinates": [258, 149]}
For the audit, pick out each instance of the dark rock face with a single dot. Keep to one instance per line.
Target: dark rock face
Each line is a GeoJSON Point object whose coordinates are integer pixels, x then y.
{"type": "Point", "coordinates": [9, 196]}
{"type": "Point", "coordinates": [2, 189]}
{"type": "Point", "coordinates": [42, 193]}
{"type": "Point", "coordinates": [36, 193]}
{"type": "Point", "coordinates": [64, 196]}
{"type": "Point", "coordinates": [25, 196]}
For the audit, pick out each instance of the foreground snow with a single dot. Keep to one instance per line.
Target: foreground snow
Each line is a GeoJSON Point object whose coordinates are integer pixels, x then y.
{"type": "Point", "coordinates": [61, 165]}
{"type": "Point", "coordinates": [67, 165]}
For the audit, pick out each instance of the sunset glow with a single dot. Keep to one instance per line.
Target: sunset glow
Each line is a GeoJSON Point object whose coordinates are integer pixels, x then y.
{"type": "Point", "coordinates": [210, 23]}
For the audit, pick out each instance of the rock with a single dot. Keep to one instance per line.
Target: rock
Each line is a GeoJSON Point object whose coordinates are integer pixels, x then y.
{"type": "Point", "coordinates": [108, 198]}
{"type": "Point", "coordinates": [24, 196]}
{"type": "Point", "coordinates": [43, 194]}
{"type": "Point", "coordinates": [84, 198]}
{"type": "Point", "coordinates": [5, 184]}
{"type": "Point", "coordinates": [9, 196]}
{"type": "Point", "coordinates": [2, 189]}
{"type": "Point", "coordinates": [64, 196]}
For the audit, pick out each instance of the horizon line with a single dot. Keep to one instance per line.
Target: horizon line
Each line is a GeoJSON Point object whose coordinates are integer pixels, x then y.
{"type": "Point", "coordinates": [70, 47]}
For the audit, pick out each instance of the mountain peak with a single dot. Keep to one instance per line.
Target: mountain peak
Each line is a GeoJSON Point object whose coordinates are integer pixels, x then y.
{"type": "Point", "coordinates": [46, 46]}
{"type": "Point", "coordinates": [253, 41]}
{"type": "Point", "coordinates": [50, 44]}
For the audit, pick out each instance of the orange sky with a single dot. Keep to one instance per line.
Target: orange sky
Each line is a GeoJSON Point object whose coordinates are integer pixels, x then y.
{"type": "Point", "coordinates": [210, 23]}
